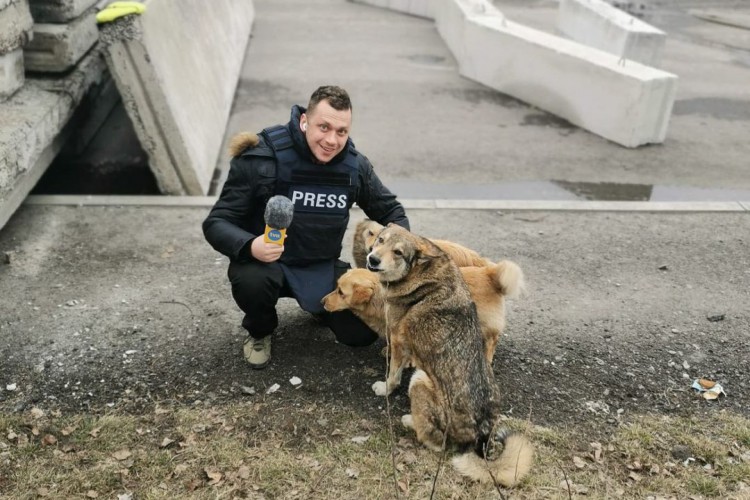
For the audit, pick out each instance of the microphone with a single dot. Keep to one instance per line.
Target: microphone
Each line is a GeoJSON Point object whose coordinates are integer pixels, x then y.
{"type": "Point", "coordinates": [278, 217]}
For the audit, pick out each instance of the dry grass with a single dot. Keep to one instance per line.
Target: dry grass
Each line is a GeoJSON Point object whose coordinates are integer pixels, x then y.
{"type": "Point", "coordinates": [258, 450]}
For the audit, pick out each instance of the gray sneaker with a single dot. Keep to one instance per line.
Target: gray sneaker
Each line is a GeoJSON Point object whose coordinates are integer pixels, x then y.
{"type": "Point", "coordinates": [257, 351]}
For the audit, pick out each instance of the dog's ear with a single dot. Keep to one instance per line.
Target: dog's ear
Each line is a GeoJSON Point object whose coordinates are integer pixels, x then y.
{"type": "Point", "coordinates": [362, 293]}
{"type": "Point", "coordinates": [426, 253]}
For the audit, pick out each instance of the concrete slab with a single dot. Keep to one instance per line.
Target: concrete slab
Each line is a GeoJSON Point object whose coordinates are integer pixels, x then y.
{"type": "Point", "coordinates": [15, 25]}
{"type": "Point", "coordinates": [153, 56]}
{"type": "Point", "coordinates": [600, 25]}
{"type": "Point", "coordinates": [11, 73]}
{"type": "Point", "coordinates": [58, 47]}
{"type": "Point", "coordinates": [33, 128]}
{"type": "Point", "coordinates": [629, 104]}
{"type": "Point", "coordinates": [419, 8]}
{"type": "Point", "coordinates": [59, 11]}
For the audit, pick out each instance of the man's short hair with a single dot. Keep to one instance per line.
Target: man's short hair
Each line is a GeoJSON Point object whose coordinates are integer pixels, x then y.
{"type": "Point", "coordinates": [336, 97]}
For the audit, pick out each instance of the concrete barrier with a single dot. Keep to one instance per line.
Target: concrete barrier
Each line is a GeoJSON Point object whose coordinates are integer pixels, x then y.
{"type": "Point", "coordinates": [620, 100]}
{"type": "Point", "coordinates": [16, 29]}
{"type": "Point", "coordinates": [600, 25]}
{"type": "Point", "coordinates": [34, 125]}
{"type": "Point", "coordinates": [58, 47]}
{"type": "Point", "coordinates": [628, 104]}
{"type": "Point", "coordinates": [176, 67]}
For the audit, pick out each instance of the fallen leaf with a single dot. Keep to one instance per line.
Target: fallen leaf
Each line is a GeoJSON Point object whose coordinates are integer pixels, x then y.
{"type": "Point", "coordinates": [706, 383]}
{"type": "Point", "coordinates": [12, 435]}
{"type": "Point", "coordinates": [352, 473]}
{"type": "Point", "coordinates": [635, 477]}
{"type": "Point", "coordinates": [95, 432]}
{"type": "Point", "coordinates": [180, 469]}
{"type": "Point", "coordinates": [122, 454]}
{"type": "Point", "coordinates": [166, 442]}
{"type": "Point", "coordinates": [42, 492]}
{"type": "Point", "coordinates": [68, 431]}
{"type": "Point", "coordinates": [160, 411]}
{"type": "Point", "coordinates": [37, 413]}
{"type": "Point", "coordinates": [92, 494]}
{"type": "Point", "coordinates": [213, 476]}
{"type": "Point", "coordinates": [360, 439]}
{"type": "Point", "coordinates": [35, 430]}
{"type": "Point", "coordinates": [403, 486]}
{"type": "Point", "coordinates": [244, 472]}
{"type": "Point", "coordinates": [579, 462]}
{"type": "Point", "coordinates": [194, 484]}
{"type": "Point", "coordinates": [49, 440]}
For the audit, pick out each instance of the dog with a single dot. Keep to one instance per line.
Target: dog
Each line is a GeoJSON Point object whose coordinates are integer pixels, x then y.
{"type": "Point", "coordinates": [360, 291]}
{"type": "Point", "coordinates": [433, 326]}
{"type": "Point", "coordinates": [366, 231]}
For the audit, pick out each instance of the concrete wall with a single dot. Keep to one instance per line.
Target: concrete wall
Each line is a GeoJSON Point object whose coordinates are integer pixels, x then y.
{"type": "Point", "coordinates": [600, 25]}
{"type": "Point", "coordinates": [59, 11]}
{"type": "Point", "coordinates": [176, 67]}
{"type": "Point", "coordinates": [58, 47]}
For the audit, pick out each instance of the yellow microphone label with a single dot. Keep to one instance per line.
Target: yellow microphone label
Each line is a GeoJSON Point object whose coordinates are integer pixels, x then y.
{"type": "Point", "coordinates": [275, 236]}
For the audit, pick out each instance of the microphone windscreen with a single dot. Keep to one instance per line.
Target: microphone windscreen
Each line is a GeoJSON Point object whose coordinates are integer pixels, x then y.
{"type": "Point", "coordinates": [279, 212]}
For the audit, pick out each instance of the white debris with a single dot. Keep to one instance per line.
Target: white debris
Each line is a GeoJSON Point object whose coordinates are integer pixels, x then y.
{"type": "Point", "coordinates": [273, 388]}
{"type": "Point", "coordinates": [11, 387]}
{"type": "Point", "coordinates": [295, 381]}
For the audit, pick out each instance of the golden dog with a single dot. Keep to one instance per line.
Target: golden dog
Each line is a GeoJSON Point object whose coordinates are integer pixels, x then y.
{"type": "Point", "coordinates": [367, 230]}
{"type": "Point", "coordinates": [433, 325]}
{"type": "Point", "coordinates": [360, 291]}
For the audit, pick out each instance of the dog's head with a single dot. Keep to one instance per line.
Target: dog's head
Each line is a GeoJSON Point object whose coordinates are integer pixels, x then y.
{"type": "Point", "coordinates": [369, 231]}
{"type": "Point", "coordinates": [397, 251]}
{"type": "Point", "coordinates": [354, 290]}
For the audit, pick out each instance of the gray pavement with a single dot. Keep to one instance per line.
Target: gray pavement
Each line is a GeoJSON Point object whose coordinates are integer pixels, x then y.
{"type": "Point", "coordinates": [123, 305]}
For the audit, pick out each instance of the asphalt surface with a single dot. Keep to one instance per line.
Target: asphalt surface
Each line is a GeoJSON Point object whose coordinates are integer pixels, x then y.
{"type": "Point", "coordinates": [121, 306]}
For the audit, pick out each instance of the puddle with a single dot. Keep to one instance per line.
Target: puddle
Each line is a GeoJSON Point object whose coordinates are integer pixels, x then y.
{"type": "Point", "coordinates": [562, 190]}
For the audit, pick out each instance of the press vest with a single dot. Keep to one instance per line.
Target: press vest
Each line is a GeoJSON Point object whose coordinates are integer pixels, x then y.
{"type": "Point", "coordinates": [322, 196]}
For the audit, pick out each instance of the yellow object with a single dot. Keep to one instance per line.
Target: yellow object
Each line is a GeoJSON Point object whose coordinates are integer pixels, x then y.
{"type": "Point", "coordinates": [116, 10]}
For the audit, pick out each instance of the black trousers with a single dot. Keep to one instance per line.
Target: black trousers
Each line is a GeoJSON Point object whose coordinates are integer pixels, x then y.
{"type": "Point", "coordinates": [257, 287]}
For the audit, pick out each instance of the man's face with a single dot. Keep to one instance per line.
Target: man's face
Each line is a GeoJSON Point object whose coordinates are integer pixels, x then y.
{"type": "Point", "coordinates": [326, 130]}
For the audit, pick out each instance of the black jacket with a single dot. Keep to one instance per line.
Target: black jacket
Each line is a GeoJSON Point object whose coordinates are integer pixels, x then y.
{"type": "Point", "coordinates": [237, 217]}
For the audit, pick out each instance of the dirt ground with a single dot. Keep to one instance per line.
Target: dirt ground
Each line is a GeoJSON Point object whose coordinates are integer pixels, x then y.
{"type": "Point", "coordinates": [623, 311]}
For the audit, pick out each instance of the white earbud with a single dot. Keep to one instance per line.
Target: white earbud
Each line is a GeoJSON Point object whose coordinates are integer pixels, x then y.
{"type": "Point", "coordinates": [304, 127]}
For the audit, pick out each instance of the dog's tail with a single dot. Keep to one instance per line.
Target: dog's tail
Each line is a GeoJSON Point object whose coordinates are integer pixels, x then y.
{"type": "Point", "coordinates": [507, 469]}
{"type": "Point", "coordinates": [241, 142]}
{"type": "Point", "coordinates": [508, 278]}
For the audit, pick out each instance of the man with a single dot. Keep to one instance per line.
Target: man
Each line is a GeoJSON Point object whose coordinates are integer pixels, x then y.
{"type": "Point", "coordinates": [311, 161]}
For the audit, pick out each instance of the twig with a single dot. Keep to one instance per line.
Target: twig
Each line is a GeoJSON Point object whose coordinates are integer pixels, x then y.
{"type": "Point", "coordinates": [177, 302]}
{"type": "Point", "coordinates": [565, 477]}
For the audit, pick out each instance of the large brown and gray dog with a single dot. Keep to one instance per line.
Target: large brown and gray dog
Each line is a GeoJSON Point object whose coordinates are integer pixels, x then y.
{"type": "Point", "coordinates": [433, 325]}
{"type": "Point", "coordinates": [360, 291]}
{"type": "Point", "coordinates": [367, 230]}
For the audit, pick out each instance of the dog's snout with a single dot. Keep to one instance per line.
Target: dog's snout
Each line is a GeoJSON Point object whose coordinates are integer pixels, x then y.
{"type": "Point", "coordinates": [372, 262]}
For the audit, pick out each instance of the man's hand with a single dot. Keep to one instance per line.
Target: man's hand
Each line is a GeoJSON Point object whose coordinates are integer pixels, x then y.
{"type": "Point", "coordinates": [265, 252]}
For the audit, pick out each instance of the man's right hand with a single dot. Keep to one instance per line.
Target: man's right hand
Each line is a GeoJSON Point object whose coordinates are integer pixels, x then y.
{"type": "Point", "coordinates": [265, 252]}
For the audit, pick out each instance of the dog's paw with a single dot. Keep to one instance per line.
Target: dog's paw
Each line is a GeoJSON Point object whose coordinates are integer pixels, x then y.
{"type": "Point", "coordinates": [380, 388]}
{"type": "Point", "coordinates": [407, 421]}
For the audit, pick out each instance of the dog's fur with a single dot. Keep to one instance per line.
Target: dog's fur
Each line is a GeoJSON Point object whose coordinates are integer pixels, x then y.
{"type": "Point", "coordinates": [360, 291]}
{"type": "Point", "coordinates": [433, 326]}
{"type": "Point", "coordinates": [367, 231]}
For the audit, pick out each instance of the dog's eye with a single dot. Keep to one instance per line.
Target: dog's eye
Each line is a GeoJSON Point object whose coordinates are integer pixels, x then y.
{"type": "Point", "coordinates": [369, 233]}
{"type": "Point", "coordinates": [340, 292]}
{"type": "Point", "coordinates": [398, 252]}
{"type": "Point", "coordinates": [381, 240]}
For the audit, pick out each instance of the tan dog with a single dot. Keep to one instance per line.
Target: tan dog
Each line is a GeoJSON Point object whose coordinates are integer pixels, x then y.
{"type": "Point", "coordinates": [367, 230]}
{"type": "Point", "coordinates": [360, 291]}
{"type": "Point", "coordinates": [433, 325]}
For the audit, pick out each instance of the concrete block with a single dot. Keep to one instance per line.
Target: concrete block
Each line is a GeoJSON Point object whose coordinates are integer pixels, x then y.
{"type": "Point", "coordinates": [176, 67]}
{"type": "Point", "coordinates": [451, 17]}
{"type": "Point", "coordinates": [15, 25]}
{"type": "Point", "coordinates": [11, 73]}
{"type": "Point", "coordinates": [600, 25]}
{"type": "Point", "coordinates": [35, 123]}
{"type": "Point", "coordinates": [420, 8]}
{"type": "Point", "coordinates": [58, 47]}
{"type": "Point", "coordinates": [629, 104]}
{"type": "Point", "coordinates": [59, 11]}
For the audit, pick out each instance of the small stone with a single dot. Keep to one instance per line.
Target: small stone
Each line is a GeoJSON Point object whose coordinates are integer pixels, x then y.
{"type": "Point", "coordinates": [716, 317]}
{"type": "Point", "coordinates": [248, 390]}
{"type": "Point", "coordinates": [9, 256]}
